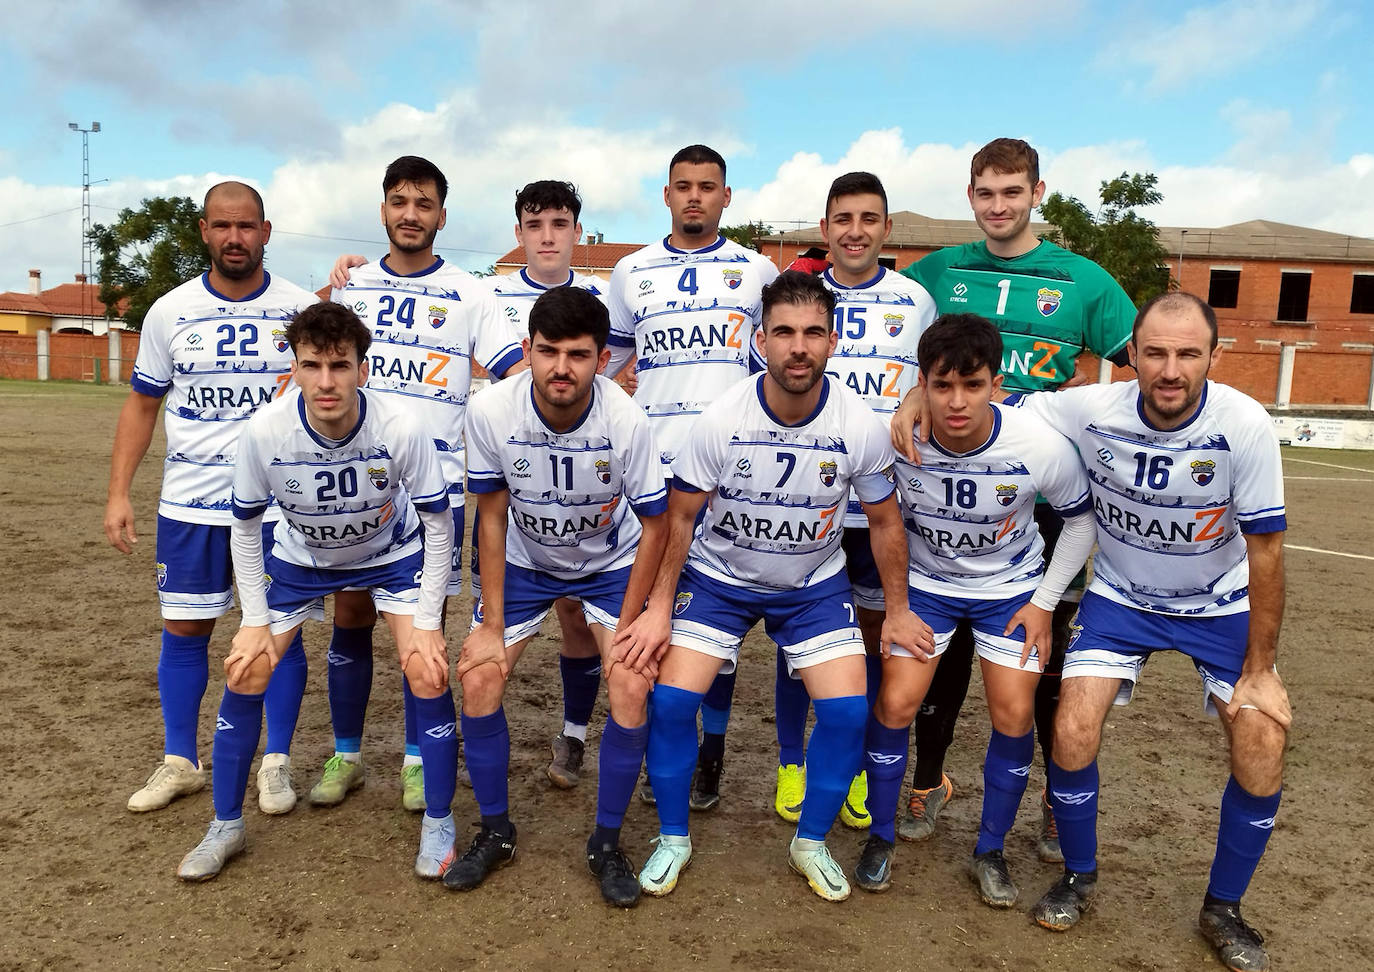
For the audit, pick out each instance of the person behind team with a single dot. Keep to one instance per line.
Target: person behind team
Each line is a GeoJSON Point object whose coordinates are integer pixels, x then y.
{"type": "Point", "coordinates": [1050, 305]}
{"type": "Point", "coordinates": [686, 308]}
{"type": "Point", "coordinates": [430, 321]}
{"type": "Point", "coordinates": [1187, 486]}
{"type": "Point", "coordinates": [976, 558]}
{"type": "Point", "coordinates": [570, 488]}
{"type": "Point", "coordinates": [211, 353]}
{"type": "Point", "coordinates": [364, 504]}
{"type": "Point", "coordinates": [776, 455]}
{"type": "Point", "coordinates": [879, 318]}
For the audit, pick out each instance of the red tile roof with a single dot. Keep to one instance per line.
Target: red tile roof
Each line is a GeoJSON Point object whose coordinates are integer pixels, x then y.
{"type": "Point", "coordinates": [64, 300]}
{"type": "Point", "coordinates": [585, 256]}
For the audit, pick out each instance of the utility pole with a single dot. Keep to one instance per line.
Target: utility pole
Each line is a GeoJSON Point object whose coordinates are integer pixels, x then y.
{"type": "Point", "coordinates": [87, 268]}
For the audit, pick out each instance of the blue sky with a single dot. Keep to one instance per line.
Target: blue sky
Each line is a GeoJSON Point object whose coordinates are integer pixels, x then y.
{"type": "Point", "coordinates": [1244, 109]}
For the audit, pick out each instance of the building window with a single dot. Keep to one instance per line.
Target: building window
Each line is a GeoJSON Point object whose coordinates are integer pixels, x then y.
{"type": "Point", "coordinates": [1294, 289]}
{"type": "Point", "coordinates": [1362, 294]}
{"type": "Point", "coordinates": [889, 262]}
{"type": "Point", "coordinates": [1224, 290]}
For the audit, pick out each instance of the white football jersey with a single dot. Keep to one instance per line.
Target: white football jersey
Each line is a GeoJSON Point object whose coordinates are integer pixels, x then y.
{"type": "Point", "coordinates": [1172, 505]}
{"type": "Point", "coordinates": [574, 495]}
{"type": "Point", "coordinates": [778, 491]}
{"type": "Point", "coordinates": [689, 318]}
{"type": "Point", "coordinates": [970, 517]}
{"type": "Point", "coordinates": [349, 503]}
{"type": "Point", "coordinates": [427, 329]}
{"type": "Point", "coordinates": [215, 360]}
{"type": "Point", "coordinates": [516, 293]}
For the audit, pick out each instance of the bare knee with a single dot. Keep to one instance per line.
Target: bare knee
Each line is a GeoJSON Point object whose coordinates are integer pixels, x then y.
{"type": "Point", "coordinates": [1077, 736]}
{"type": "Point", "coordinates": [354, 609]}
{"type": "Point", "coordinates": [1012, 717]}
{"type": "Point", "coordinates": [1257, 745]}
{"type": "Point", "coordinates": [897, 703]}
{"type": "Point", "coordinates": [483, 689]}
{"type": "Point", "coordinates": [253, 679]}
{"type": "Point", "coordinates": [628, 691]}
{"type": "Point", "coordinates": [577, 636]}
{"type": "Point", "coordinates": [188, 628]}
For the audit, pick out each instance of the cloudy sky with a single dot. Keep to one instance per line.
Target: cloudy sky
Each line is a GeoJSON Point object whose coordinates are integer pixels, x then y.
{"type": "Point", "coordinates": [1245, 110]}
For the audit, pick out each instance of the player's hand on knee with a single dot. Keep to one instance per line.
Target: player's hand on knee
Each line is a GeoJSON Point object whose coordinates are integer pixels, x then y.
{"type": "Point", "coordinates": [250, 643]}
{"type": "Point", "coordinates": [903, 627]}
{"type": "Point", "coordinates": [1037, 624]}
{"type": "Point", "coordinates": [119, 525]}
{"type": "Point", "coordinates": [338, 275]}
{"type": "Point", "coordinates": [1264, 691]}
{"type": "Point", "coordinates": [911, 417]}
{"type": "Point", "coordinates": [484, 645]}
{"type": "Point", "coordinates": [640, 644]}
{"type": "Point", "coordinates": [427, 658]}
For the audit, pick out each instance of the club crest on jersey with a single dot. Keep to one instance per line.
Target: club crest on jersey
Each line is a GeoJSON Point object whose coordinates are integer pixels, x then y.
{"type": "Point", "coordinates": [279, 339]}
{"type": "Point", "coordinates": [893, 323]}
{"type": "Point", "coordinates": [603, 470]}
{"type": "Point", "coordinates": [266, 582]}
{"type": "Point", "coordinates": [681, 602]}
{"type": "Point", "coordinates": [829, 472]}
{"type": "Point", "coordinates": [1006, 494]}
{"type": "Point", "coordinates": [378, 476]}
{"type": "Point", "coordinates": [161, 575]}
{"type": "Point", "coordinates": [359, 306]}
{"type": "Point", "coordinates": [890, 475]}
{"type": "Point", "coordinates": [477, 610]}
{"type": "Point", "coordinates": [1204, 471]}
{"type": "Point", "coordinates": [733, 278]}
{"type": "Point", "coordinates": [1048, 300]}
{"type": "Point", "coordinates": [437, 315]}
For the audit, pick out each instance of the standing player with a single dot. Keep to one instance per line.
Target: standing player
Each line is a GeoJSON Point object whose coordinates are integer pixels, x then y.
{"type": "Point", "coordinates": [570, 488]}
{"type": "Point", "coordinates": [776, 455]}
{"type": "Point", "coordinates": [429, 322]}
{"type": "Point", "coordinates": [879, 318]}
{"type": "Point", "coordinates": [976, 558]}
{"type": "Point", "coordinates": [364, 504]}
{"type": "Point", "coordinates": [212, 352]}
{"type": "Point", "coordinates": [686, 308]}
{"type": "Point", "coordinates": [1050, 306]}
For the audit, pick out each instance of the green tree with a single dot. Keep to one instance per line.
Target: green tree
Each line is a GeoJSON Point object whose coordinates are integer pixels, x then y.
{"type": "Point", "coordinates": [146, 252]}
{"type": "Point", "coordinates": [1118, 239]}
{"type": "Point", "coordinates": [747, 234]}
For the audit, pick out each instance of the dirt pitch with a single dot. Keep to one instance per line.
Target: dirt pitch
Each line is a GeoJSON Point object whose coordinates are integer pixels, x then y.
{"type": "Point", "coordinates": [86, 884]}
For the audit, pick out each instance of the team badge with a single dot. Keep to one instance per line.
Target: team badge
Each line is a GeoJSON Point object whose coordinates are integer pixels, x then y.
{"type": "Point", "coordinates": [1048, 300]}
{"type": "Point", "coordinates": [360, 307]}
{"type": "Point", "coordinates": [682, 601]}
{"type": "Point", "coordinates": [733, 278]}
{"type": "Point", "coordinates": [890, 475]}
{"type": "Point", "coordinates": [893, 323]}
{"type": "Point", "coordinates": [477, 610]}
{"type": "Point", "coordinates": [603, 471]}
{"type": "Point", "coordinates": [1204, 471]}
{"type": "Point", "coordinates": [266, 582]}
{"type": "Point", "coordinates": [829, 470]}
{"type": "Point", "coordinates": [437, 314]}
{"type": "Point", "coordinates": [1006, 494]}
{"type": "Point", "coordinates": [378, 476]}
{"type": "Point", "coordinates": [193, 339]}
{"type": "Point", "coordinates": [161, 575]}
{"type": "Point", "coordinates": [279, 340]}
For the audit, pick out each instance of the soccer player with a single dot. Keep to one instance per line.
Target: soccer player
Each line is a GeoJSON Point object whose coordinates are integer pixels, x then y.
{"type": "Point", "coordinates": [364, 503]}
{"type": "Point", "coordinates": [570, 489]}
{"type": "Point", "coordinates": [429, 321]}
{"type": "Point", "coordinates": [776, 455]}
{"type": "Point", "coordinates": [212, 352]}
{"type": "Point", "coordinates": [976, 558]}
{"type": "Point", "coordinates": [687, 308]}
{"type": "Point", "coordinates": [879, 318]}
{"type": "Point", "coordinates": [1050, 305]}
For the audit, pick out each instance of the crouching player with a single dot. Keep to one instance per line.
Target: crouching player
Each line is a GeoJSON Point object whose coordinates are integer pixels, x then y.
{"type": "Point", "coordinates": [776, 455]}
{"type": "Point", "coordinates": [569, 490]}
{"type": "Point", "coordinates": [976, 556]}
{"type": "Point", "coordinates": [364, 506]}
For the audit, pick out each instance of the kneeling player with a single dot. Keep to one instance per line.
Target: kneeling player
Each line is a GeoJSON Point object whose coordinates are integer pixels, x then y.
{"type": "Point", "coordinates": [568, 483]}
{"type": "Point", "coordinates": [777, 455]}
{"type": "Point", "coordinates": [364, 505]}
{"type": "Point", "coordinates": [976, 556]}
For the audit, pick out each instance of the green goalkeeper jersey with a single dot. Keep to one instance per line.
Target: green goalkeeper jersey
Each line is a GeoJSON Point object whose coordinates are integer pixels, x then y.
{"type": "Point", "coordinates": [1050, 304]}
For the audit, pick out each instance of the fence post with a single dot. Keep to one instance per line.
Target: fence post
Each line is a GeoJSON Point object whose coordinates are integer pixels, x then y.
{"type": "Point", "coordinates": [115, 356]}
{"type": "Point", "coordinates": [1104, 371]}
{"type": "Point", "coordinates": [41, 349]}
{"type": "Point", "coordinates": [1288, 354]}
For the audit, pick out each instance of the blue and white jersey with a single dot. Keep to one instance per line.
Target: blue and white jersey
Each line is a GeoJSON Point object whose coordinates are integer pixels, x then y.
{"type": "Point", "coordinates": [970, 522]}
{"type": "Point", "coordinates": [574, 495]}
{"type": "Point", "coordinates": [689, 318]}
{"type": "Point", "coordinates": [778, 491]}
{"type": "Point", "coordinates": [216, 360]}
{"type": "Point", "coordinates": [516, 293]}
{"type": "Point", "coordinates": [427, 329]}
{"type": "Point", "coordinates": [1172, 506]}
{"type": "Point", "coordinates": [346, 503]}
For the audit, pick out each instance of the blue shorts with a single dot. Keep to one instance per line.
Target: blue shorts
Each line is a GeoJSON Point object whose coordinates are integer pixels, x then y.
{"type": "Point", "coordinates": [862, 568]}
{"type": "Point", "coordinates": [295, 593]}
{"type": "Point", "coordinates": [195, 570]}
{"type": "Point", "coordinates": [531, 593]}
{"type": "Point", "coordinates": [987, 617]}
{"type": "Point", "coordinates": [811, 624]}
{"type": "Point", "coordinates": [1111, 640]}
